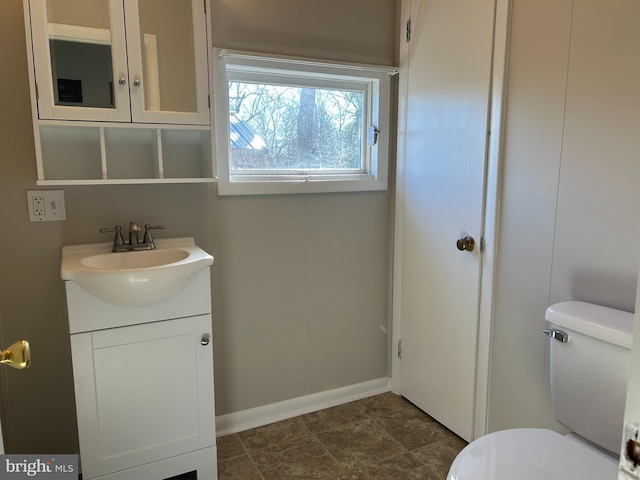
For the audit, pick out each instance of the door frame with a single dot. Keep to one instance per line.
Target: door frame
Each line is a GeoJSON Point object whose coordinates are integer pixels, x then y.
{"type": "Point", "coordinates": [491, 209]}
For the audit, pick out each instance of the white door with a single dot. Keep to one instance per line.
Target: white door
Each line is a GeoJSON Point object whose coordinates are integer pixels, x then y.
{"type": "Point", "coordinates": [448, 70]}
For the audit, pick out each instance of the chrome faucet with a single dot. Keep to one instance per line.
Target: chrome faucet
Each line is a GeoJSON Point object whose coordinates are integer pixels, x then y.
{"type": "Point", "coordinates": [134, 228]}
{"type": "Point", "coordinates": [119, 245]}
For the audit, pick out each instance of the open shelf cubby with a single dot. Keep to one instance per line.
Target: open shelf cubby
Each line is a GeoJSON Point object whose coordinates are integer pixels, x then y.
{"type": "Point", "coordinates": [96, 152]}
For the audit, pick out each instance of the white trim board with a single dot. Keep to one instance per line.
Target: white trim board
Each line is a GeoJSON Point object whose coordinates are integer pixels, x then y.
{"type": "Point", "coordinates": [493, 192]}
{"type": "Point", "coordinates": [79, 33]}
{"type": "Point", "coordinates": [259, 416]}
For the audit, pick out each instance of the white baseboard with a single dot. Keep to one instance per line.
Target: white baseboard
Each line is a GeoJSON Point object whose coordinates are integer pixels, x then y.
{"type": "Point", "coordinates": [274, 412]}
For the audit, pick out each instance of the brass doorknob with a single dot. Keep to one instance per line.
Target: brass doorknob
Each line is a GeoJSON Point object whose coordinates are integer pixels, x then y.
{"type": "Point", "coordinates": [17, 355]}
{"type": "Point", "coordinates": [467, 243]}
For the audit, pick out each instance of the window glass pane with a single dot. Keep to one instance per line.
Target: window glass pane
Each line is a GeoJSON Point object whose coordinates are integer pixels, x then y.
{"type": "Point", "coordinates": [276, 127]}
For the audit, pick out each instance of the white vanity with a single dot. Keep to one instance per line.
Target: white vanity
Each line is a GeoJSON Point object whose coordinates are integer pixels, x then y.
{"type": "Point", "coordinates": [120, 90]}
{"type": "Point", "coordinates": [141, 342]}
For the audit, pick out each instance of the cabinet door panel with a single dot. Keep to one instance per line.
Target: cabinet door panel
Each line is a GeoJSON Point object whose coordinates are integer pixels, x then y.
{"type": "Point", "coordinates": [153, 393]}
{"type": "Point", "coordinates": [80, 59]}
{"type": "Point", "coordinates": [168, 61]}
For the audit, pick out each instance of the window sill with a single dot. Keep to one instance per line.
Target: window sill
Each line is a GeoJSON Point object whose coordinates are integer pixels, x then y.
{"type": "Point", "coordinates": [273, 185]}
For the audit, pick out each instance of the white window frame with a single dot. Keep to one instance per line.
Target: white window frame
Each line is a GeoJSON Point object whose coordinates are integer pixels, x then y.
{"type": "Point", "coordinates": [375, 81]}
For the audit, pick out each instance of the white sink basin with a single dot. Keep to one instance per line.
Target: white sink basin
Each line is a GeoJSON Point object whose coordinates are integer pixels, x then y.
{"type": "Point", "coordinates": [134, 278]}
{"type": "Point", "coordinates": [135, 260]}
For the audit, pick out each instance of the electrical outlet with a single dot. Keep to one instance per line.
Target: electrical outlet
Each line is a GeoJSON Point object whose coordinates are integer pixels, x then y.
{"type": "Point", "coordinates": [38, 205]}
{"type": "Point", "coordinates": [46, 205]}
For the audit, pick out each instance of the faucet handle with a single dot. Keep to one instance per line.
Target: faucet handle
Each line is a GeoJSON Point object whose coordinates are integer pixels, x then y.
{"type": "Point", "coordinates": [117, 240]}
{"type": "Point", "coordinates": [147, 234]}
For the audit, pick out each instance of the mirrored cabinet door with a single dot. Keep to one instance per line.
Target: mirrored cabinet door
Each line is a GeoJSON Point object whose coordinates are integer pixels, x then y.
{"type": "Point", "coordinates": [80, 59]}
{"type": "Point", "coordinates": [168, 61]}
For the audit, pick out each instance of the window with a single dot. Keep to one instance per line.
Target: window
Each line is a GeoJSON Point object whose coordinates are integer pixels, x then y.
{"type": "Point", "coordinates": [293, 126]}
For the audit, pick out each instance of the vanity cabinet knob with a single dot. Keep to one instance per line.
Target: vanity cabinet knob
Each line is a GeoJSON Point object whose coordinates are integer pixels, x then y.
{"type": "Point", "coordinates": [204, 341]}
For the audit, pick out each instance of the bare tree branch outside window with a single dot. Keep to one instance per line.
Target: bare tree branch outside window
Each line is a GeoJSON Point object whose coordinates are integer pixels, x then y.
{"type": "Point", "coordinates": [295, 128]}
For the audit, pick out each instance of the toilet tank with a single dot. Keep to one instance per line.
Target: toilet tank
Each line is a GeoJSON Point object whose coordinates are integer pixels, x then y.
{"type": "Point", "coordinates": [589, 372]}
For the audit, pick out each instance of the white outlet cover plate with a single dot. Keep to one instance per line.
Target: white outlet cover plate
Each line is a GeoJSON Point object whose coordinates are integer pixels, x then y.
{"type": "Point", "coordinates": [46, 205]}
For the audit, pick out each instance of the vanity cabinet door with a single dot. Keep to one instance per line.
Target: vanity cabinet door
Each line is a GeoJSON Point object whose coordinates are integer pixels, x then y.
{"type": "Point", "coordinates": [80, 60]}
{"type": "Point", "coordinates": [121, 60]}
{"type": "Point", "coordinates": [143, 393]}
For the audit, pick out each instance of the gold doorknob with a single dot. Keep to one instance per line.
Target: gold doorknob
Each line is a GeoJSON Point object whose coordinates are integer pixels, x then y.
{"type": "Point", "coordinates": [467, 243]}
{"type": "Point", "coordinates": [17, 355]}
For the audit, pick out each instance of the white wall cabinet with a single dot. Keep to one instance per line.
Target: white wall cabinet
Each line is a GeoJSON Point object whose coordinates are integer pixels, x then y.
{"type": "Point", "coordinates": [144, 391]}
{"type": "Point", "coordinates": [121, 60]}
{"type": "Point", "coordinates": [127, 72]}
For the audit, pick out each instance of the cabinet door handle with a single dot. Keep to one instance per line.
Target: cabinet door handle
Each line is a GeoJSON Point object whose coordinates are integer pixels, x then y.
{"type": "Point", "coordinates": [204, 341]}
{"type": "Point", "coordinates": [122, 81]}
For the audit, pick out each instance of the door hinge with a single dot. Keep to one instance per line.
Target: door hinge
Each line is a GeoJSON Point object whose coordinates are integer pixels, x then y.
{"type": "Point", "coordinates": [482, 245]}
{"type": "Point", "coordinates": [209, 101]}
{"type": "Point", "coordinates": [37, 93]}
{"type": "Point", "coordinates": [205, 6]}
{"type": "Point", "coordinates": [400, 349]}
{"type": "Point", "coordinates": [408, 32]}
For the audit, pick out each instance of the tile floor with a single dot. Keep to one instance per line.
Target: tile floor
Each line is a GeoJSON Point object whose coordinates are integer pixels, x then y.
{"type": "Point", "coordinates": [383, 437]}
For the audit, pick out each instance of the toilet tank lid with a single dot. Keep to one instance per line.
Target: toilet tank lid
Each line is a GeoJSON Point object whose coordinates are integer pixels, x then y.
{"type": "Point", "coordinates": [604, 323]}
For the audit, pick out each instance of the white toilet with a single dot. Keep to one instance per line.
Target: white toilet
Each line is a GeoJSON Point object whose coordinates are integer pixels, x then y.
{"type": "Point", "coordinates": [590, 347]}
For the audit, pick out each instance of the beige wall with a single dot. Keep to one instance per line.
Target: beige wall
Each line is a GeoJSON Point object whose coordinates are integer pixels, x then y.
{"type": "Point", "coordinates": [299, 282]}
{"type": "Point", "coordinates": [88, 14]}
{"type": "Point", "coordinates": [305, 277]}
{"type": "Point", "coordinates": [349, 30]}
{"type": "Point", "coordinates": [571, 192]}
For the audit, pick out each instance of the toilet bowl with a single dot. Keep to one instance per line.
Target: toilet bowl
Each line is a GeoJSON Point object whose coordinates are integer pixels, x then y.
{"type": "Point", "coordinates": [589, 355]}
{"type": "Point", "coordinates": [531, 454]}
